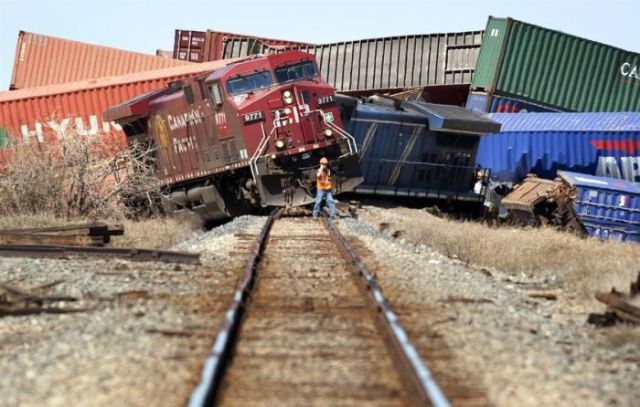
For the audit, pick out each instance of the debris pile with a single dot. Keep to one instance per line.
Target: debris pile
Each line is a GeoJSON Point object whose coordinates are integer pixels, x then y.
{"type": "Point", "coordinates": [537, 202]}
{"type": "Point", "coordinates": [606, 208]}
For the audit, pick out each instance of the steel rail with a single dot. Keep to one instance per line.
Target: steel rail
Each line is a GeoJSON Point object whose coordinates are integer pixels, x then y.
{"type": "Point", "coordinates": [64, 252]}
{"type": "Point", "coordinates": [84, 228]}
{"type": "Point", "coordinates": [424, 386]}
{"type": "Point", "coordinates": [206, 391]}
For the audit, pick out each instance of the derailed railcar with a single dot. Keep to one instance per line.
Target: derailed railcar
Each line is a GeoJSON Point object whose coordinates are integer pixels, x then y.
{"type": "Point", "coordinates": [607, 208]}
{"type": "Point", "coordinates": [244, 136]}
{"type": "Point", "coordinates": [417, 149]}
{"type": "Point", "coordinates": [602, 207]}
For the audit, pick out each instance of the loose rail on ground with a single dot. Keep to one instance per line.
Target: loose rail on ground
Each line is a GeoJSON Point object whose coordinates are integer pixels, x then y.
{"type": "Point", "coordinates": [62, 252]}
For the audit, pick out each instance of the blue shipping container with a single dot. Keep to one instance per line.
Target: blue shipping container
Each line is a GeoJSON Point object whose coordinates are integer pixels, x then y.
{"type": "Point", "coordinates": [480, 102]}
{"type": "Point", "coordinates": [608, 208]}
{"type": "Point", "coordinates": [603, 144]}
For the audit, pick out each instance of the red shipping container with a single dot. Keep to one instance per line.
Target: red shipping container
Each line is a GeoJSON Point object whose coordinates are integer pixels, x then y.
{"type": "Point", "coordinates": [44, 113]}
{"type": "Point", "coordinates": [201, 46]}
{"type": "Point", "coordinates": [43, 60]}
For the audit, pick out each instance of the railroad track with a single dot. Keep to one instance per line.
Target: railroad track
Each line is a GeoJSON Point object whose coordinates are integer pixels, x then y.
{"type": "Point", "coordinates": [308, 325]}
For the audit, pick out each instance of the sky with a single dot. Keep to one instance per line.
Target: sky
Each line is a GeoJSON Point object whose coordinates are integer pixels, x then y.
{"type": "Point", "coordinates": [145, 26]}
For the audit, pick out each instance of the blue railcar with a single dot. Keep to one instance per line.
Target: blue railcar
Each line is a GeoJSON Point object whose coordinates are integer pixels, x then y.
{"type": "Point", "coordinates": [417, 149]}
{"type": "Point", "coordinates": [603, 144]}
{"type": "Point", "coordinates": [608, 208]}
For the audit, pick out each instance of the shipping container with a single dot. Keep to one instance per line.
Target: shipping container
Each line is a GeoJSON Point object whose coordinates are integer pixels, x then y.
{"type": "Point", "coordinates": [608, 208]}
{"type": "Point", "coordinates": [44, 113]}
{"type": "Point", "coordinates": [43, 60]}
{"type": "Point", "coordinates": [399, 62]}
{"type": "Point", "coordinates": [555, 69]}
{"type": "Point", "coordinates": [202, 46]}
{"type": "Point", "coordinates": [481, 102]}
{"type": "Point", "coordinates": [603, 144]}
{"type": "Point", "coordinates": [416, 149]}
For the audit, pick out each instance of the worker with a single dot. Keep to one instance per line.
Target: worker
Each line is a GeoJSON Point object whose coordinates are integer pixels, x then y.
{"type": "Point", "coordinates": [323, 182]}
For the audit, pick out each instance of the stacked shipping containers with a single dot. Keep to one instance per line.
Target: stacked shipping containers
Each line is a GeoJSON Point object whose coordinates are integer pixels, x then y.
{"type": "Point", "coordinates": [44, 60]}
{"type": "Point", "coordinates": [355, 66]}
{"type": "Point", "coordinates": [526, 67]}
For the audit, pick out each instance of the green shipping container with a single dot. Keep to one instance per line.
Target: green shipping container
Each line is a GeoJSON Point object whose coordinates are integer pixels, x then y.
{"type": "Point", "coordinates": [556, 69]}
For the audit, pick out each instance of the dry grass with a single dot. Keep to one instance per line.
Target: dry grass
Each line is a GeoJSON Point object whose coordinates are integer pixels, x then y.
{"type": "Point", "coordinates": [158, 232]}
{"type": "Point", "coordinates": [35, 221]}
{"type": "Point", "coordinates": [584, 265]}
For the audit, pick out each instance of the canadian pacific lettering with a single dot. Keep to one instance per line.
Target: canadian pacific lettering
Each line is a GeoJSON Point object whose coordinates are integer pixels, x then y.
{"type": "Point", "coordinates": [184, 144]}
{"type": "Point", "coordinates": [182, 120]}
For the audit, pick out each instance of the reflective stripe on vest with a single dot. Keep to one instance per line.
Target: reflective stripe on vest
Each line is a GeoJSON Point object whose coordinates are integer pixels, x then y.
{"type": "Point", "coordinates": [323, 179]}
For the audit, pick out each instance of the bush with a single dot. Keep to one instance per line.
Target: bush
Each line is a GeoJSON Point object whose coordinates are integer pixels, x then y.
{"type": "Point", "coordinates": [77, 177]}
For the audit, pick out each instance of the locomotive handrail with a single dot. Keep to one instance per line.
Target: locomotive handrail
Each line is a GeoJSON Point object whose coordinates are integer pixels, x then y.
{"type": "Point", "coordinates": [256, 155]}
{"type": "Point", "coordinates": [253, 163]}
{"type": "Point", "coordinates": [350, 138]}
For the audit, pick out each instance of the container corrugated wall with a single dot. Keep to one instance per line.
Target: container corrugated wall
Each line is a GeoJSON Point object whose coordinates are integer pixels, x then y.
{"type": "Point", "coordinates": [603, 144]}
{"type": "Point", "coordinates": [490, 54]}
{"type": "Point", "coordinates": [44, 112]}
{"type": "Point", "coordinates": [399, 62]}
{"type": "Point", "coordinates": [557, 69]}
{"type": "Point", "coordinates": [42, 60]}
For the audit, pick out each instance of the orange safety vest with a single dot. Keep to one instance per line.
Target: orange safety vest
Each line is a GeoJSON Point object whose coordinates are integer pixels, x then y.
{"type": "Point", "coordinates": [323, 179]}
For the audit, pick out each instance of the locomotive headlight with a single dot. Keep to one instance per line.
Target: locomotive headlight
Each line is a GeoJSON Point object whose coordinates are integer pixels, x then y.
{"type": "Point", "coordinates": [280, 144]}
{"type": "Point", "coordinates": [287, 97]}
{"type": "Point", "coordinates": [328, 133]}
{"type": "Point", "coordinates": [287, 110]}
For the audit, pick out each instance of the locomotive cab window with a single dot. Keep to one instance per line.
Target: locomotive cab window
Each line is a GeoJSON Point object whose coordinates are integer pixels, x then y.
{"type": "Point", "coordinates": [241, 84]}
{"type": "Point", "coordinates": [188, 94]}
{"type": "Point", "coordinates": [203, 92]}
{"type": "Point", "coordinates": [215, 94]}
{"type": "Point", "coordinates": [293, 72]}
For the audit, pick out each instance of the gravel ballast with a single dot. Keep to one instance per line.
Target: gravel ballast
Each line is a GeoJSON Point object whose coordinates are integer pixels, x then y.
{"type": "Point", "coordinates": [144, 332]}
{"type": "Point", "coordinates": [481, 329]}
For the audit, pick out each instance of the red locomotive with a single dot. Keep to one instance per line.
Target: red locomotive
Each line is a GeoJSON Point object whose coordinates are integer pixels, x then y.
{"type": "Point", "coordinates": [244, 136]}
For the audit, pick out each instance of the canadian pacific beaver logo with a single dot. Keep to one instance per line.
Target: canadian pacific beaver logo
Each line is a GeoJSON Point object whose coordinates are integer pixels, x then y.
{"type": "Point", "coordinates": [162, 136]}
